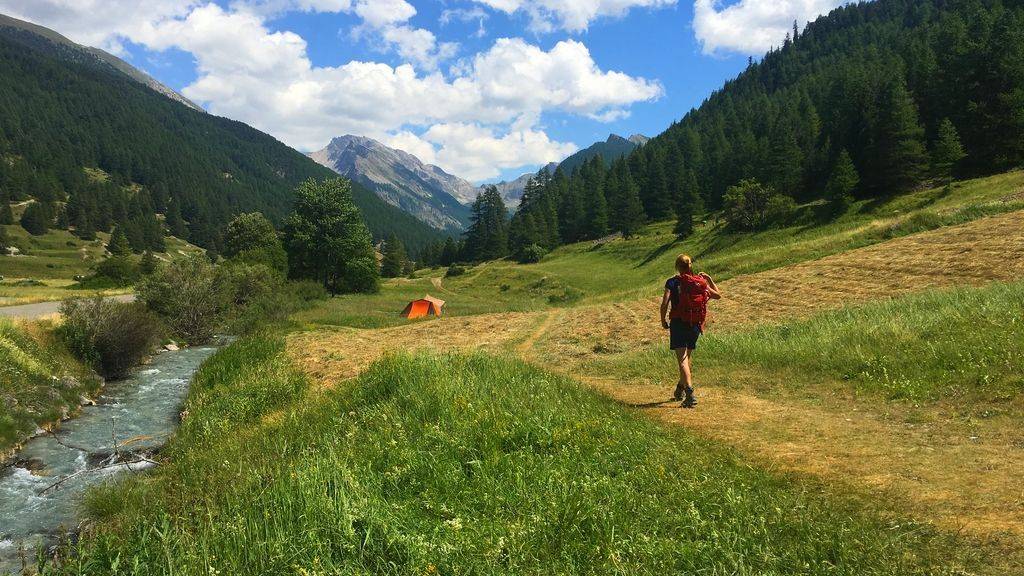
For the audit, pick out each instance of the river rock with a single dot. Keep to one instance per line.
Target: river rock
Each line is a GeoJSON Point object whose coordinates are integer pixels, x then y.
{"type": "Point", "coordinates": [171, 347]}
{"type": "Point", "coordinates": [86, 401]}
{"type": "Point", "coordinates": [32, 464]}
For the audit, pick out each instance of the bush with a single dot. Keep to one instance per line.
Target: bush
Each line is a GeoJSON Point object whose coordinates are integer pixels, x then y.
{"type": "Point", "coordinates": [110, 336]}
{"type": "Point", "coordinates": [455, 270]}
{"type": "Point", "coordinates": [531, 254]}
{"type": "Point", "coordinates": [246, 283]}
{"type": "Point", "coordinates": [118, 271]}
{"type": "Point", "coordinates": [750, 206]}
{"type": "Point", "coordinates": [190, 296]}
{"type": "Point", "coordinates": [308, 290]}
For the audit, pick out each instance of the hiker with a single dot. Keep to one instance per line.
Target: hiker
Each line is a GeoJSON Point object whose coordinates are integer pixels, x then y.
{"type": "Point", "coordinates": [688, 295]}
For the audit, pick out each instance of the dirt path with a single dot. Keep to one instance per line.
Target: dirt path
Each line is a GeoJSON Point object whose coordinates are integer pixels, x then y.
{"type": "Point", "coordinates": [957, 470]}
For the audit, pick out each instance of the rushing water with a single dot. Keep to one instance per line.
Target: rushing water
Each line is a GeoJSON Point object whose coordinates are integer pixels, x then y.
{"type": "Point", "coordinates": [139, 411]}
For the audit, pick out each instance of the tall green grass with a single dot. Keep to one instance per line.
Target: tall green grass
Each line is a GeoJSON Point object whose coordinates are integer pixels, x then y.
{"type": "Point", "coordinates": [39, 381]}
{"type": "Point", "coordinates": [467, 465]}
{"type": "Point", "coordinates": [954, 343]}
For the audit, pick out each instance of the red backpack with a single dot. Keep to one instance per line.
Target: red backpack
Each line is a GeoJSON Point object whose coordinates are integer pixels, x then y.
{"type": "Point", "coordinates": [692, 306]}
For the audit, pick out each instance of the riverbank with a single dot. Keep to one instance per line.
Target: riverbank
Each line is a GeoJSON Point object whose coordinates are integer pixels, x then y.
{"type": "Point", "coordinates": [41, 494]}
{"type": "Point", "coordinates": [41, 383]}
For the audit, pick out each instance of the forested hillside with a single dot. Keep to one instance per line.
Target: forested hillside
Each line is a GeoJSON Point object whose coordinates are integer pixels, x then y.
{"type": "Point", "coordinates": [870, 101]}
{"type": "Point", "coordinates": [96, 148]}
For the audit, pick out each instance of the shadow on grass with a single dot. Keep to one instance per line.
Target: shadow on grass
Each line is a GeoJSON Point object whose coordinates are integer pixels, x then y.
{"type": "Point", "coordinates": [654, 254]}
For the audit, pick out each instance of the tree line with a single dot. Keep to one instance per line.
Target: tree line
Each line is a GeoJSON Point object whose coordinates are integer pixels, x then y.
{"type": "Point", "coordinates": [872, 100]}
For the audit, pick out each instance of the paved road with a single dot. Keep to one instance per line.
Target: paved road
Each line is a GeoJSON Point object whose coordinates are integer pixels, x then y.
{"type": "Point", "coordinates": [41, 309]}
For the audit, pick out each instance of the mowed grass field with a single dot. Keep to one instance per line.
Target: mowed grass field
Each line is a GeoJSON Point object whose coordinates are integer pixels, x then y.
{"type": "Point", "coordinates": [860, 413]}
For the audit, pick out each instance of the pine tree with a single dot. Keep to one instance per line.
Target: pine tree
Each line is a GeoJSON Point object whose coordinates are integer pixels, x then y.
{"type": "Point", "coordinates": [487, 235]}
{"type": "Point", "coordinates": [629, 210]}
{"type": "Point", "coordinates": [595, 215]}
{"type": "Point", "coordinates": [899, 156]}
{"type": "Point", "coordinates": [948, 152]}
{"type": "Point", "coordinates": [6, 214]}
{"type": "Point", "coordinates": [841, 184]}
{"type": "Point", "coordinates": [174, 221]}
{"type": "Point", "coordinates": [655, 195]}
{"type": "Point", "coordinates": [37, 218]}
{"type": "Point", "coordinates": [450, 252]}
{"type": "Point", "coordinates": [148, 263]}
{"type": "Point", "coordinates": [570, 210]}
{"type": "Point", "coordinates": [4, 241]}
{"type": "Point", "coordinates": [690, 204]}
{"type": "Point", "coordinates": [393, 264]}
{"type": "Point", "coordinates": [118, 245]}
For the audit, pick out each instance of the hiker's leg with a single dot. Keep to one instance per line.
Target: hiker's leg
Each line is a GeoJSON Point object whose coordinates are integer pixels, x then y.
{"type": "Point", "coordinates": [683, 354]}
{"type": "Point", "coordinates": [681, 383]}
{"type": "Point", "coordinates": [688, 401]}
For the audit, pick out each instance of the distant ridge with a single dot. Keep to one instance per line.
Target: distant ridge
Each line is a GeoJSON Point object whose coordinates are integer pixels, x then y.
{"type": "Point", "coordinates": [611, 149]}
{"type": "Point", "coordinates": [401, 179]}
{"type": "Point", "coordinates": [86, 55]}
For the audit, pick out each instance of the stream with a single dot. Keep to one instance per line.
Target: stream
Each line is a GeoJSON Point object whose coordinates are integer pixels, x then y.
{"type": "Point", "coordinates": [140, 411]}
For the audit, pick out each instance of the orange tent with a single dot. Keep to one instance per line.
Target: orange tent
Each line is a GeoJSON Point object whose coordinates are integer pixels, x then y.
{"type": "Point", "coordinates": [423, 307]}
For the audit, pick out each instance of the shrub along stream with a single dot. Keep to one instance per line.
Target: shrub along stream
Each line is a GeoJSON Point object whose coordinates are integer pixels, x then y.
{"type": "Point", "coordinates": [466, 465]}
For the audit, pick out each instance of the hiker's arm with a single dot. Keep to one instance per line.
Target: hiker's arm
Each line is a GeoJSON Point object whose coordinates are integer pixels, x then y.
{"type": "Point", "coordinates": [664, 308]}
{"type": "Point", "coordinates": [713, 291]}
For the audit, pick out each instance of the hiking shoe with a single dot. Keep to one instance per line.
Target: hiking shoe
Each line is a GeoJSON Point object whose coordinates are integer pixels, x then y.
{"type": "Point", "coordinates": [678, 395]}
{"type": "Point", "coordinates": [689, 401]}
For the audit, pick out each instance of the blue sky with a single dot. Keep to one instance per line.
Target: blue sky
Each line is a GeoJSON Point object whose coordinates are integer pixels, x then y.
{"type": "Point", "coordinates": [486, 89]}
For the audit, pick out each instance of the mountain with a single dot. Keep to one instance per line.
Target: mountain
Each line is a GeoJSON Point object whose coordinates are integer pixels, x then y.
{"type": "Point", "coordinates": [80, 126]}
{"type": "Point", "coordinates": [512, 190]}
{"type": "Point", "coordinates": [611, 149]}
{"type": "Point", "coordinates": [33, 35]}
{"type": "Point", "coordinates": [401, 179]}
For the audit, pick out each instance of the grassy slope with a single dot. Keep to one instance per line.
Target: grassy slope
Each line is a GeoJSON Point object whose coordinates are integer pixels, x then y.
{"type": "Point", "coordinates": [39, 381]}
{"type": "Point", "coordinates": [468, 464]}
{"type": "Point", "coordinates": [53, 260]}
{"type": "Point", "coordinates": [626, 270]}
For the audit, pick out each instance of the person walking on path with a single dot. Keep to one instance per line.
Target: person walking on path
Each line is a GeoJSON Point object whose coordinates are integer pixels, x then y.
{"type": "Point", "coordinates": [684, 310]}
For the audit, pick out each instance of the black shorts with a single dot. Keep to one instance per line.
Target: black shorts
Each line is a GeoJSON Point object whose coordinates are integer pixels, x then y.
{"type": "Point", "coordinates": [683, 335]}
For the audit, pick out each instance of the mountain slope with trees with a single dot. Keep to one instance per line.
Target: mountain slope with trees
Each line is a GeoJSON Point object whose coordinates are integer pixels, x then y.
{"type": "Point", "coordinates": [97, 148]}
{"type": "Point", "coordinates": [872, 100]}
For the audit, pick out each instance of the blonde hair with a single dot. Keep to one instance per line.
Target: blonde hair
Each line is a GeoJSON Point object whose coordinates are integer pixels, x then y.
{"type": "Point", "coordinates": [684, 264]}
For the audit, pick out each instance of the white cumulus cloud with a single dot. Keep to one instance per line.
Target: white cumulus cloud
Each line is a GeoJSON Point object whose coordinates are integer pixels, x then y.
{"type": "Point", "coordinates": [752, 26]}
{"type": "Point", "coordinates": [482, 116]}
{"type": "Point", "coordinates": [570, 15]}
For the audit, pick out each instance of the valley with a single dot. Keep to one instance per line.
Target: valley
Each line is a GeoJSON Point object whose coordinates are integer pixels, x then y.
{"type": "Point", "coordinates": [340, 288]}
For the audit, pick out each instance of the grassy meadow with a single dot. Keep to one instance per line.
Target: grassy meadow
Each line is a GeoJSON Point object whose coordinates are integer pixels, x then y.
{"type": "Point", "coordinates": [629, 269]}
{"type": "Point", "coordinates": [468, 464]}
{"type": "Point", "coordinates": [963, 344]}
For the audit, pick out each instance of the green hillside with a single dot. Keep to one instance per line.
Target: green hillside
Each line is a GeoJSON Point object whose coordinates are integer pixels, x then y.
{"type": "Point", "coordinates": [63, 112]}
{"type": "Point", "coordinates": [914, 91]}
